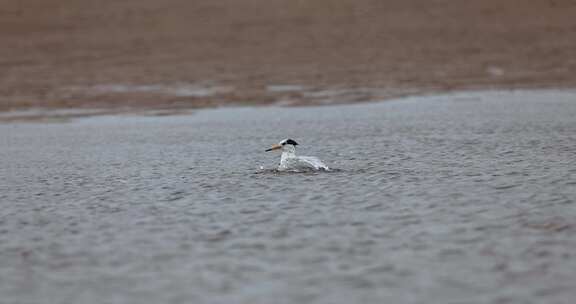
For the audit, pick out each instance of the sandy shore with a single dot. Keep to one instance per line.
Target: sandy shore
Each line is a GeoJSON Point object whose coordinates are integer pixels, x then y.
{"type": "Point", "coordinates": [148, 54]}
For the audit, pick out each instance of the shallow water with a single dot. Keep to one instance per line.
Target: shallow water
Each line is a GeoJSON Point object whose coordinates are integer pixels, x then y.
{"type": "Point", "coordinates": [462, 198]}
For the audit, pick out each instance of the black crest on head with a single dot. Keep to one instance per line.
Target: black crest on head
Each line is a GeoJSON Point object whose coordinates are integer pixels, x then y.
{"type": "Point", "coordinates": [290, 142]}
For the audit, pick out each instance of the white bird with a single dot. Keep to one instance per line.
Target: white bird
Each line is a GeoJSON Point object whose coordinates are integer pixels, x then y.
{"type": "Point", "coordinates": [290, 162]}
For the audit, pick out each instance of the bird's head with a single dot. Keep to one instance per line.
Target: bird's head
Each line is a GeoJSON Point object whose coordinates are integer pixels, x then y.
{"type": "Point", "coordinates": [283, 144]}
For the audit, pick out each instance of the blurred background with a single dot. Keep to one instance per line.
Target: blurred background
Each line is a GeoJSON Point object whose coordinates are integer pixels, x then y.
{"type": "Point", "coordinates": [465, 197]}
{"type": "Point", "coordinates": [191, 53]}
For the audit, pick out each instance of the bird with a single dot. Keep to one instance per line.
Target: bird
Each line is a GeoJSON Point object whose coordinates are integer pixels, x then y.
{"type": "Point", "coordinates": [290, 162]}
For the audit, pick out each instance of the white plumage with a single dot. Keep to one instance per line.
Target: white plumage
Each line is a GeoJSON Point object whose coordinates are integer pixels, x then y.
{"type": "Point", "coordinates": [289, 161]}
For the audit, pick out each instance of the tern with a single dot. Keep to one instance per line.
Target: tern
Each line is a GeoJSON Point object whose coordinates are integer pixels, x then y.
{"type": "Point", "coordinates": [290, 162]}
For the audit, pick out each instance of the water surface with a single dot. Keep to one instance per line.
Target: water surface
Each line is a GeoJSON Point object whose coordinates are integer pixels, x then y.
{"type": "Point", "coordinates": [462, 198]}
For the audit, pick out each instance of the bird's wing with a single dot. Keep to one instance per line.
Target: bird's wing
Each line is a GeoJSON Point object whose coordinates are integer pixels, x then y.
{"type": "Point", "coordinates": [313, 162]}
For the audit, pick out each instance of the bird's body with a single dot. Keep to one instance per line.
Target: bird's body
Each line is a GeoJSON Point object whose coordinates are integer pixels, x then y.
{"type": "Point", "coordinates": [289, 161]}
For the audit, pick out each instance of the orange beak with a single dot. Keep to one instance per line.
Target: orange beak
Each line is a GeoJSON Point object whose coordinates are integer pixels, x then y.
{"type": "Point", "coordinates": [274, 147]}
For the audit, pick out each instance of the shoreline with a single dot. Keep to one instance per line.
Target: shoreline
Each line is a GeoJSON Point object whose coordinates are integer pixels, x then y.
{"type": "Point", "coordinates": [180, 54]}
{"type": "Point", "coordinates": [41, 115]}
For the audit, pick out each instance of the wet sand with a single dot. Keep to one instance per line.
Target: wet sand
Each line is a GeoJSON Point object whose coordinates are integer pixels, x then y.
{"type": "Point", "coordinates": [148, 54]}
{"type": "Point", "coordinates": [465, 198]}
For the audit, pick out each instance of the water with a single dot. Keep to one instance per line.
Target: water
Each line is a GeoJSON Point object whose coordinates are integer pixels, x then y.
{"type": "Point", "coordinates": [463, 198]}
{"type": "Point", "coordinates": [180, 90]}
